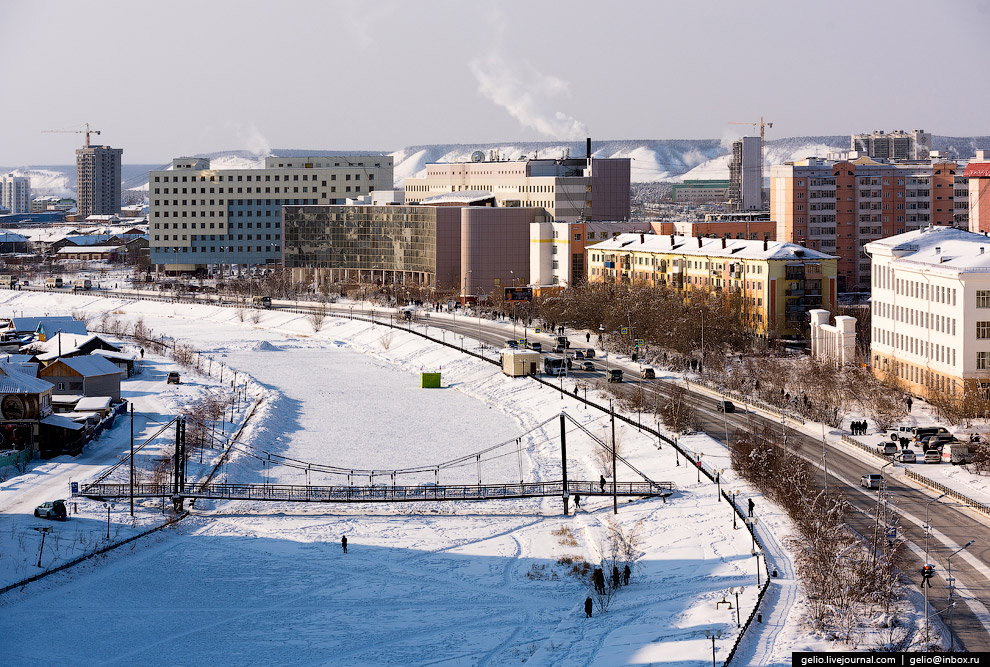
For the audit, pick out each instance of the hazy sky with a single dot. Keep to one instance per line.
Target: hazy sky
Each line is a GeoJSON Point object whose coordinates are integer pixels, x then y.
{"type": "Point", "coordinates": [175, 78]}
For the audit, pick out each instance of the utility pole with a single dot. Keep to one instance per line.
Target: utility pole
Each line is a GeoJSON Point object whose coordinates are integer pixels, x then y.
{"type": "Point", "coordinates": [132, 459]}
{"type": "Point", "coordinates": [563, 461]}
{"type": "Point", "coordinates": [615, 497]}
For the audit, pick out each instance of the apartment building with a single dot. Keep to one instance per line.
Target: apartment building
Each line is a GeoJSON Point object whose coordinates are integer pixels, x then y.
{"type": "Point", "coordinates": [15, 193]}
{"type": "Point", "coordinates": [896, 145]}
{"type": "Point", "coordinates": [98, 180]}
{"type": "Point", "coordinates": [779, 282]}
{"type": "Point", "coordinates": [746, 175]}
{"type": "Point", "coordinates": [200, 217]}
{"type": "Point", "coordinates": [977, 175]}
{"type": "Point", "coordinates": [569, 189]}
{"type": "Point", "coordinates": [839, 206]}
{"type": "Point", "coordinates": [931, 309]}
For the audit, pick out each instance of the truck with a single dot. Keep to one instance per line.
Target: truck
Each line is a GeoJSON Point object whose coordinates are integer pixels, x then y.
{"type": "Point", "coordinates": [8, 281]}
{"type": "Point", "coordinates": [80, 284]}
{"type": "Point", "coordinates": [956, 453]}
{"type": "Point", "coordinates": [554, 366]}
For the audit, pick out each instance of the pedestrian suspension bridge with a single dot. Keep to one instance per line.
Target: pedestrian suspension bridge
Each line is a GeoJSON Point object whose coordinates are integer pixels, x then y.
{"type": "Point", "coordinates": [180, 489]}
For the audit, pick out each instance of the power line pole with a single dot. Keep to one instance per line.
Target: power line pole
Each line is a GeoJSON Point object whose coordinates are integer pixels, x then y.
{"type": "Point", "coordinates": [132, 459]}
{"type": "Point", "coordinates": [563, 461]}
{"type": "Point", "coordinates": [615, 497]}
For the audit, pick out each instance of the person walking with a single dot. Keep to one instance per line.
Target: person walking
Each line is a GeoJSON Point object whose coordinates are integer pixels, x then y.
{"type": "Point", "coordinates": [616, 577]}
{"type": "Point", "coordinates": [587, 607]}
{"type": "Point", "coordinates": [598, 578]}
{"type": "Point", "coordinates": [577, 501]}
{"type": "Point", "coordinates": [626, 573]}
{"type": "Point", "coordinates": [909, 403]}
{"type": "Point", "coordinates": [601, 483]}
{"type": "Point", "coordinates": [343, 543]}
{"type": "Point", "coordinates": [587, 337]}
{"type": "Point", "coordinates": [751, 506]}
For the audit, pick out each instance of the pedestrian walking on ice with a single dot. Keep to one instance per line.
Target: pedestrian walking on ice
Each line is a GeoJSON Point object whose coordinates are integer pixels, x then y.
{"type": "Point", "coordinates": [616, 577]}
{"type": "Point", "coordinates": [601, 483]}
{"type": "Point", "coordinates": [625, 575]}
{"type": "Point", "coordinates": [343, 543]}
{"type": "Point", "coordinates": [751, 506]}
{"type": "Point", "coordinates": [587, 607]}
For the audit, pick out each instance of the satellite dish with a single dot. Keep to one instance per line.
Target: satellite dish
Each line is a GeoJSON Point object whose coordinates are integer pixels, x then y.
{"type": "Point", "coordinates": [477, 156]}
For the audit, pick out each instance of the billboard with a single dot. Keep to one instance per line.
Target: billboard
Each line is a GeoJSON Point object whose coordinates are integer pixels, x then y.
{"type": "Point", "coordinates": [516, 294]}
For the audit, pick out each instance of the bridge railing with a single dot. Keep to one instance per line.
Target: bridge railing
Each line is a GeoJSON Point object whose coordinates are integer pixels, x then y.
{"type": "Point", "coordinates": [381, 493]}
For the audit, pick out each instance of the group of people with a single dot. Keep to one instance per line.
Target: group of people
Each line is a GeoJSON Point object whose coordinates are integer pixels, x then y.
{"type": "Point", "coordinates": [619, 579]}
{"type": "Point", "coordinates": [858, 427]}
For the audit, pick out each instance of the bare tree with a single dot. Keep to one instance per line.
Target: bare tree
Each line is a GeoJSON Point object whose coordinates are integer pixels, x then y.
{"type": "Point", "coordinates": [317, 316]}
{"type": "Point", "coordinates": [385, 340]}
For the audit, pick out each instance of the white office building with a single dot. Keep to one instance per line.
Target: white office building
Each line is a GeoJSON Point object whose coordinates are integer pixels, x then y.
{"type": "Point", "coordinates": [931, 309]}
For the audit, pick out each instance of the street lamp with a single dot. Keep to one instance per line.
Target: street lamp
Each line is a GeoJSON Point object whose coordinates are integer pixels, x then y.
{"type": "Point", "coordinates": [713, 636]}
{"type": "Point", "coordinates": [949, 580]}
{"type": "Point", "coordinates": [735, 492]}
{"type": "Point", "coordinates": [756, 555]}
{"type": "Point", "coordinates": [928, 523]}
{"type": "Point", "coordinates": [601, 339]}
{"type": "Point", "coordinates": [109, 506]}
{"type": "Point", "coordinates": [738, 591]}
{"type": "Point", "coordinates": [751, 522]}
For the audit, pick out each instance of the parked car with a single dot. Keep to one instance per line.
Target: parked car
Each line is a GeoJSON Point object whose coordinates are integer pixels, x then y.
{"type": "Point", "coordinates": [907, 456]}
{"type": "Point", "coordinates": [871, 481]}
{"type": "Point", "coordinates": [173, 378]}
{"type": "Point", "coordinates": [514, 344]}
{"type": "Point", "coordinates": [648, 373]}
{"type": "Point", "coordinates": [536, 347]}
{"type": "Point", "coordinates": [890, 449]}
{"type": "Point", "coordinates": [933, 456]}
{"type": "Point", "coordinates": [559, 349]}
{"type": "Point", "coordinates": [588, 366]}
{"type": "Point", "coordinates": [54, 510]}
{"type": "Point", "coordinates": [726, 406]}
{"type": "Point", "coordinates": [615, 375]}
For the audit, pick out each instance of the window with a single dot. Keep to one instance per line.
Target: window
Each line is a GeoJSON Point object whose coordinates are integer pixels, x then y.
{"type": "Point", "coordinates": [981, 360]}
{"type": "Point", "coordinates": [982, 298]}
{"type": "Point", "coordinates": [983, 330]}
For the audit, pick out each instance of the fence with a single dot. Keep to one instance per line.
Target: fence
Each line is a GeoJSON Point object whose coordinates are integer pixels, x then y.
{"type": "Point", "coordinates": [875, 451]}
{"type": "Point", "coordinates": [975, 504]}
{"type": "Point", "coordinates": [13, 458]}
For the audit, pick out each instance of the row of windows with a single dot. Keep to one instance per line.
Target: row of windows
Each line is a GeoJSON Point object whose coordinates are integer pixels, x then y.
{"type": "Point", "coordinates": [202, 237]}
{"type": "Point", "coordinates": [916, 289]}
{"type": "Point", "coordinates": [267, 178]}
{"type": "Point", "coordinates": [918, 318]}
{"type": "Point", "coordinates": [184, 249]}
{"type": "Point", "coordinates": [911, 345]}
{"type": "Point", "coordinates": [202, 225]}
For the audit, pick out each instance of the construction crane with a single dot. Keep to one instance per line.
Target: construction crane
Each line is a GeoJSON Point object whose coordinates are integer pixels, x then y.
{"type": "Point", "coordinates": [763, 125]}
{"type": "Point", "coordinates": [86, 132]}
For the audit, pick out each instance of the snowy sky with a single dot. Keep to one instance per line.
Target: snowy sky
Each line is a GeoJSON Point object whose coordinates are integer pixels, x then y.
{"type": "Point", "coordinates": [183, 77]}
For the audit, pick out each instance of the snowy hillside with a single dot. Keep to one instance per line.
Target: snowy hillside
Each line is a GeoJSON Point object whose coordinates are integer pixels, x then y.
{"type": "Point", "coordinates": [653, 159]}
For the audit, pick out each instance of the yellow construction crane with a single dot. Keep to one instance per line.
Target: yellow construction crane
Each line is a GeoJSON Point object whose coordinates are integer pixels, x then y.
{"type": "Point", "coordinates": [763, 125]}
{"type": "Point", "coordinates": [86, 132]}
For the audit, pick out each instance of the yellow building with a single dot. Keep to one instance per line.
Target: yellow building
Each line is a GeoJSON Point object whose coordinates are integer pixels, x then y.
{"type": "Point", "coordinates": [779, 282]}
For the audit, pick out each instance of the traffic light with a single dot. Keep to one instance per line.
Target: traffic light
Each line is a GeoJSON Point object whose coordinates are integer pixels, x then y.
{"type": "Point", "coordinates": [926, 574]}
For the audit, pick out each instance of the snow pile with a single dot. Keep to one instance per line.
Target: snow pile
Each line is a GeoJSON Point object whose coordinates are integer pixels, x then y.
{"type": "Point", "coordinates": [265, 346]}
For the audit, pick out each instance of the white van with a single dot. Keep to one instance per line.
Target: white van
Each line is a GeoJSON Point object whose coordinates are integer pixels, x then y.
{"type": "Point", "coordinates": [82, 284]}
{"type": "Point", "coordinates": [53, 283]}
{"type": "Point", "coordinates": [8, 281]}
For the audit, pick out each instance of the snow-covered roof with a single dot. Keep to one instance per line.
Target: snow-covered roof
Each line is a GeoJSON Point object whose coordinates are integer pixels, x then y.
{"type": "Point", "coordinates": [10, 237]}
{"type": "Point", "coordinates": [123, 356]}
{"type": "Point", "coordinates": [93, 403]}
{"type": "Point", "coordinates": [107, 249]}
{"type": "Point", "coordinates": [61, 421]}
{"type": "Point", "coordinates": [947, 248]}
{"type": "Point", "coordinates": [90, 366]}
{"type": "Point", "coordinates": [13, 381]}
{"type": "Point", "coordinates": [709, 247]}
{"type": "Point", "coordinates": [87, 239]}
{"type": "Point", "coordinates": [462, 197]}
{"type": "Point", "coordinates": [67, 343]}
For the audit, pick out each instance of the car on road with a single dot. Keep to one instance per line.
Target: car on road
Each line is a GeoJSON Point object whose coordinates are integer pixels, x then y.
{"type": "Point", "coordinates": [578, 354]}
{"type": "Point", "coordinates": [588, 366]}
{"type": "Point", "coordinates": [536, 347]}
{"type": "Point", "coordinates": [907, 456]}
{"type": "Point", "coordinates": [514, 344]}
{"type": "Point", "coordinates": [726, 406]}
{"type": "Point", "coordinates": [615, 375]}
{"type": "Point", "coordinates": [889, 449]}
{"type": "Point", "coordinates": [173, 378]}
{"type": "Point", "coordinates": [933, 456]}
{"type": "Point", "coordinates": [648, 373]}
{"type": "Point", "coordinates": [589, 353]}
{"type": "Point", "coordinates": [871, 481]}
{"type": "Point", "coordinates": [560, 349]}
{"type": "Point", "coordinates": [54, 510]}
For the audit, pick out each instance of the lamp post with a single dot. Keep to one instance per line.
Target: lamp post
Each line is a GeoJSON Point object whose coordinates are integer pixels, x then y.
{"type": "Point", "coordinates": [738, 591]}
{"type": "Point", "coordinates": [751, 522]}
{"type": "Point", "coordinates": [718, 482]}
{"type": "Point", "coordinates": [601, 335]}
{"type": "Point", "coordinates": [928, 523]}
{"type": "Point", "coordinates": [735, 492]}
{"type": "Point", "coordinates": [756, 555]}
{"type": "Point", "coordinates": [949, 580]}
{"type": "Point", "coordinates": [109, 506]}
{"type": "Point", "coordinates": [713, 636]}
